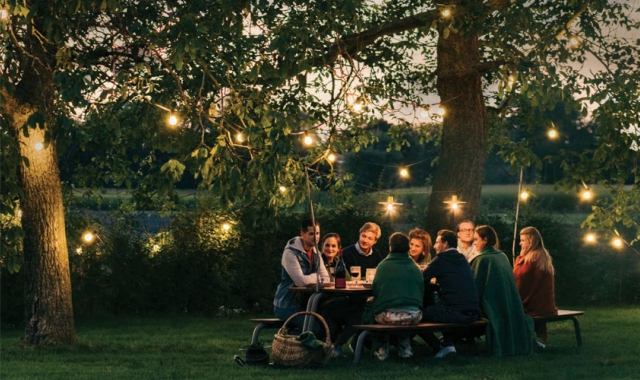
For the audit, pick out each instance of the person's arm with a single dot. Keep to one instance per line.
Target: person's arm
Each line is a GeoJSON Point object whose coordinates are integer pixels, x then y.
{"type": "Point", "coordinates": [291, 264]}
{"type": "Point", "coordinates": [322, 271]}
{"type": "Point", "coordinates": [431, 270]}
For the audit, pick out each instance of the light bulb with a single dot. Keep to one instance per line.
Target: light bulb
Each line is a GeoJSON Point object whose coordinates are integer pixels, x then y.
{"type": "Point", "coordinates": [590, 238]}
{"type": "Point", "coordinates": [308, 141]}
{"type": "Point", "coordinates": [617, 242]}
{"type": "Point", "coordinates": [404, 172]}
{"type": "Point", "coordinates": [331, 157]}
{"type": "Point", "coordinates": [587, 195]}
{"type": "Point", "coordinates": [88, 237]}
{"type": "Point", "coordinates": [552, 133]}
{"type": "Point", "coordinates": [441, 111]}
{"type": "Point", "coordinates": [239, 137]}
{"type": "Point", "coordinates": [446, 13]}
{"type": "Point", "coordinates": [574, 42]}
{"type": "Point", "coordinates": [454, 206]}
{"type": "Point", "coordinates": [389, 207]}
{"type": "Point", "coordinates": [226, 226]}
{"type": "Point", "coordinates": [524, 195]}
{"type": "Point", "coordinates": [173, 120]}
{"type": "Point", "coordinates": [282, 189]}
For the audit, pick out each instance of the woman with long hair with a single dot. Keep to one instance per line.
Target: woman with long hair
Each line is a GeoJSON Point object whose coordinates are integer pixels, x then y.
{"type": "Point", "coordinates": [420, 246]}
{"type": "Point", "coordinates": [533, 270]}
{"type": "Point", "coordinates": [509, 330]}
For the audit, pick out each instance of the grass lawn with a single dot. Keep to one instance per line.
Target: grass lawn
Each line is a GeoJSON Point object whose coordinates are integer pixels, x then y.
{"type": "Point", "coordinates": [202, 348]}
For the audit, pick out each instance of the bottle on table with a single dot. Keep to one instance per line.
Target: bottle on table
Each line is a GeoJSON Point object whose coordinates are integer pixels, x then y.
{"type": "Point", "coordinates": [341, 273]}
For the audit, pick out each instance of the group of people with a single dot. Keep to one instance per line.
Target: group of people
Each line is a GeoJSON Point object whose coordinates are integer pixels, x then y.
{"type": "Point", "coordinates": [470, 277]}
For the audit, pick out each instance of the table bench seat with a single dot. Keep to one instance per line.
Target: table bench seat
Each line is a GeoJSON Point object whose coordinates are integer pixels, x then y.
{"type": "Point", "coordinates": [428, 327]}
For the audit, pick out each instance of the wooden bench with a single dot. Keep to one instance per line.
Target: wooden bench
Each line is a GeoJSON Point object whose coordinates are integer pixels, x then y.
{"type": "Point", "coordinates": [264, 323]}
{"type": "Point", "coordinates": [563, 315]}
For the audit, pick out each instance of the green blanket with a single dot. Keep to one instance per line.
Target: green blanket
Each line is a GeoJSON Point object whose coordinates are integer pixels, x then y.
{"type": "Point", "coordinates": [509, 330]}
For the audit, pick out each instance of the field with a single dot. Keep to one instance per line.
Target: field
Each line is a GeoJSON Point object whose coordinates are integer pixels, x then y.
{"type": "Point", "coordinates": [140, 348]}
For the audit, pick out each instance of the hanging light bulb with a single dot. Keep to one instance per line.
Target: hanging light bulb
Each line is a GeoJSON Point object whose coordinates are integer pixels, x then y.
{"type": "Point", "coordinates": [445, 13]}
{"type": "Point", "coordinates": [441, 111]}
{"type": "Point", "coordinates": [239, 137]}
{"type": "Point", "coordinates": [424, 113]}
{"type": "Point", "coordinates": [586, 195]}
{"type": "Point", "coordinates": [88, 237]}
{"type": "Point", "coordinates": [359, 104]}
{"type": "Point", "coordinates": [331, 157]}
{"type": "Point", "coordinates": [307, 140]}
{"type": "Point", "coordinates": [282, 189]}
{"type": "Point", "coordinates": [590, 238]}
{"type": "Point", "coordinates": [574, 42]}
{"type": "Point", "coordinates": [552, 133]}
{"type": "Point", "coordinates": [617, 242]}
{"type": "Point", "coordinates": [404, 172]}
{"type": "Point", "coordinates": [173, 120]}
{"type": "Point", "coordinates": [226, 226]}
{"type": "Point", "coordinates": [524, 195]}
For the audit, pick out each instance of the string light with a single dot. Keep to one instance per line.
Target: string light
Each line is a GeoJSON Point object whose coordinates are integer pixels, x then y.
{"type": "Point", "coordinates": [88, 237]}
{"type": "Point", "coordinates": [38, 146]}
{"type": "Point", "coordinates": [19, 213]}
{"type": "Point", "coordinates": [617, 242]}
{"type": "Point", "coordinates": [404, 172]}
{"type": "Point", "coordinates": [173, 120]}
{"type": "Point", "coordinates": [445, 13]}
{"type": "Point", "coordinates": [552, 133]}
{"type": "Point", "coordinates": [525, 194]}
{"type": "Point", "coordinates": [590, 238]}
{"type": "Point", "coordinates": [586, 195]}
{"type": "Point", "coordinates": [358, 105]}
{"type": "Point", "coordinates": [574, 42]}
{"type": "Point", "coordinates": [441, 111]}
{"type": "Point", "coordinates": [331, 157]}
{"type": "Point", "coordinates": [79, 250]}
{"type": "Point", "coordinates": [307, 140]}
{"type": "Point", "coordinates": [226, 226]}
{"type": "Point", "coordinates": [239, 137]}
{"type": "Point", "coordinates": [282, 189]}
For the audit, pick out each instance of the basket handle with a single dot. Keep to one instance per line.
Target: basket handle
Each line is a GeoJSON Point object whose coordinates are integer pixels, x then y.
{"type": "Point", "coordinates": [283, 329]}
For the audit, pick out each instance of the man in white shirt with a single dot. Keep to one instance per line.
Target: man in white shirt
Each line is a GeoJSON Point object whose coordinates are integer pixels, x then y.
{"type": "Point", "coordinates": [465, 231]}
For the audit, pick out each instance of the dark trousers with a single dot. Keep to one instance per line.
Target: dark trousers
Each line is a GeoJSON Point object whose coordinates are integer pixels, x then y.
{"type": "Point", "coordinates": [341, 314]}
{"type": "Point", "coordinates": [443, 314]}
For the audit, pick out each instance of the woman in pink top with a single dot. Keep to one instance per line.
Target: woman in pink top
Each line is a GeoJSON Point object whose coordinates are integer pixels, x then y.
{"type": "Point", "coordinates": [534, 273]}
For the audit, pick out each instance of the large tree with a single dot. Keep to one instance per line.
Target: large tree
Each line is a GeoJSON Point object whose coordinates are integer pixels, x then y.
{"type": "Point", "coordinates": [248, 79]}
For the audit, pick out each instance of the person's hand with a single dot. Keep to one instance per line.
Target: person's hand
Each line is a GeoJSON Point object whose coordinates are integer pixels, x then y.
{"type": "Point", "coordinates": [525, 248]}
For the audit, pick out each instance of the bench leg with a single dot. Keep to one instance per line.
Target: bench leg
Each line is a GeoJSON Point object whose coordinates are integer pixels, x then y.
{"type": "Point", "coordinates": [576, 327]}
{"type": "Point", "coordinates": [360, 346]}
{"type": "Point", "coordinates": [256, 331]}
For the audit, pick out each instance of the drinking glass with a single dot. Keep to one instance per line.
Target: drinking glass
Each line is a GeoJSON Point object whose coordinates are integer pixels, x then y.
{"type": "Point", "coordinates": [370, 274]}
{"type": "Point", "coordinates": [355, 273]}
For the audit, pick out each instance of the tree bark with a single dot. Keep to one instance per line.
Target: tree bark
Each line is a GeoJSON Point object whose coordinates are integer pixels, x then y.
{"type": "Point", "coordinates": [464, 132]}
{"type": "Point", "coordinates": [48, 307]}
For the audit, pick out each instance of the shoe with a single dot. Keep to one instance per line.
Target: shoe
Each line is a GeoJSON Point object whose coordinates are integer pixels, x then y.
{"type": "Point", "coordinates": [381, 353]}
{"type": "Point", "coordinates": [337, 352]}
{"type": "Point", "coordinates": [405, 352]}
{"type": "Point", "coordinates": [540, 345]}
{"type": "Point", "coordinates": [446, 351]}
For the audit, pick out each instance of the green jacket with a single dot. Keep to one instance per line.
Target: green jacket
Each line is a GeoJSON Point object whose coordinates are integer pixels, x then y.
{"type": "Point", "coordinates": [509, 330]}
{"type": "Point", "coordinates": [398, 285]}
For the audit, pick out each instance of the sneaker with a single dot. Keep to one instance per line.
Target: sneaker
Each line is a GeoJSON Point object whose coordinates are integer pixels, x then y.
{"type": "Point", "coordinates": [405, 352]}
{"type": "Point", "coordinates": [381, 353]}
{"type": "Point", "coordinates": [337, 352]}
{"type": "Point", "coordinates": [445, 351]}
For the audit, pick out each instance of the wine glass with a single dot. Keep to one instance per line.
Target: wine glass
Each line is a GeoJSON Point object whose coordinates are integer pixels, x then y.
{"type": "Point", "coordinates": [355, 273]}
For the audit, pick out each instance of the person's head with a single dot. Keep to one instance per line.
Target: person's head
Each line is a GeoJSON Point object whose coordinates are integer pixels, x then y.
{"type": "Point", "coordinates": [533, 249]}
{"type": "Point", "coordinates": [465, 231]}
{"type": "Point", "coordinates": [419, 244]}
{"type": "Point", "coordinates": [446, 239]}
{"type": "Point", "coordinates": [309, 233]}
{"type": "Point", "coordinates": [398, 243]}
{"type": "Point", "coordinates": [484, 237]}
{"type": "Point", "coordinates": [369, 235]}
{"type": "Point", "coordinates": [331, 245]}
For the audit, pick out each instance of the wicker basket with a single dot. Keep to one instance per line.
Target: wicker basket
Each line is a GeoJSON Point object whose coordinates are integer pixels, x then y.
{"type": "Point", "coordinates": [289, 352]}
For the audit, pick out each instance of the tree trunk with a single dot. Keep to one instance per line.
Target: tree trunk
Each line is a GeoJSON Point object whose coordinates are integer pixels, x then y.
{"type": "Point", "coordinates": [464, 133]}
{"type": "Point", "coordinates": [48, 307]}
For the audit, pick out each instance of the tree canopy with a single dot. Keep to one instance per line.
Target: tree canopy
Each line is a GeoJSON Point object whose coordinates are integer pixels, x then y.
{"type": "Point", "coordinates": [248, 80]}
